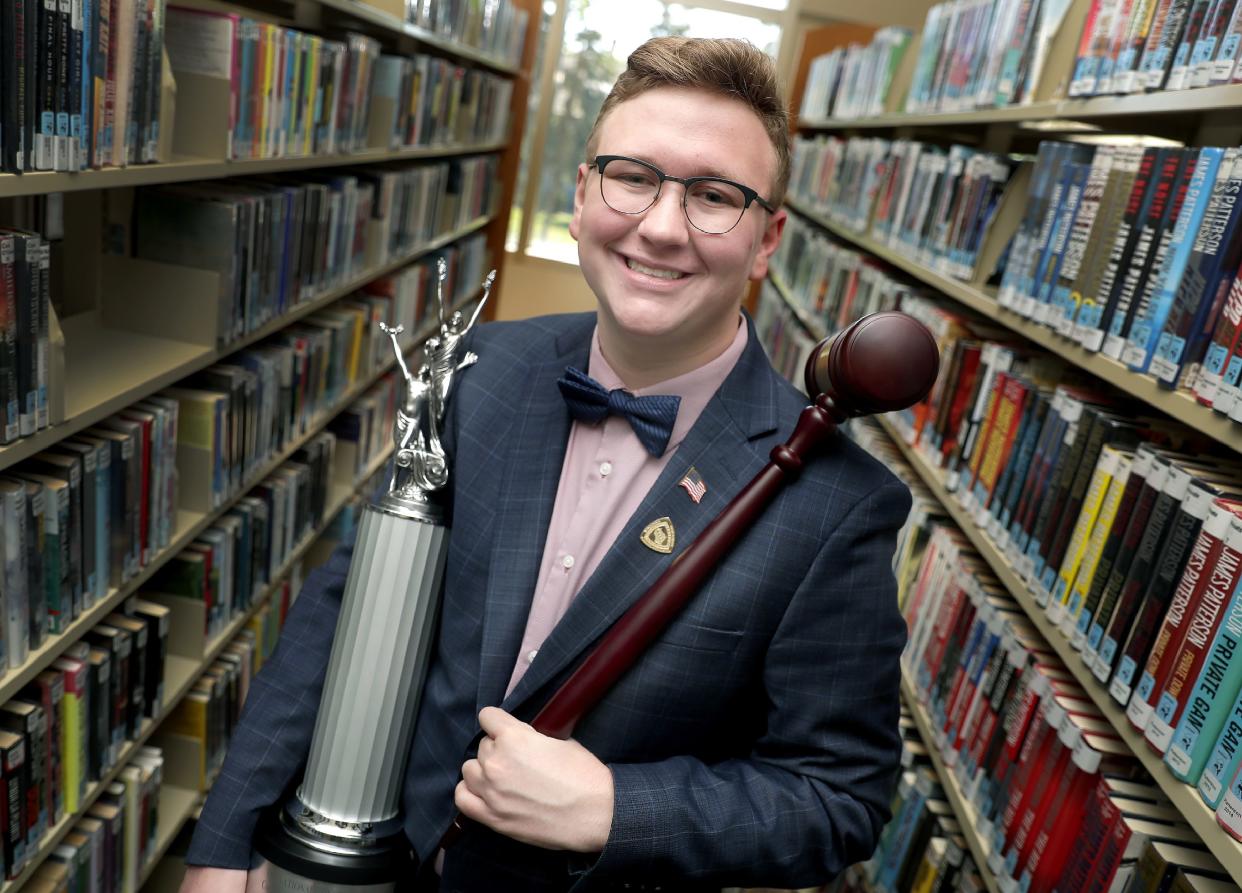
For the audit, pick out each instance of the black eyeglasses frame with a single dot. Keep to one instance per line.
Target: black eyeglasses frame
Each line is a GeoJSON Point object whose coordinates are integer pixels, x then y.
{"type": "Point", "coordinates": [599, 162]}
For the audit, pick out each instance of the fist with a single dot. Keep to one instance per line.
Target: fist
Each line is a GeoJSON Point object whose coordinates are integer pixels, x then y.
{"type": "Point", "coordinates": [535, 789]}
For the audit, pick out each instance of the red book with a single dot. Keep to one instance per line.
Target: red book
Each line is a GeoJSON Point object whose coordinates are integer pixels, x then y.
{"type": "Point", "coordinates": [1222, 578]}
{"type": "Point", "coordinates": [1186, 598]}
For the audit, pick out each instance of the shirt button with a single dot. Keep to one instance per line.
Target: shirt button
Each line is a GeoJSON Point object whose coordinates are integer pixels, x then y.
{"type": "Point", "coordinates": [530, 655]}
{"type": "Point", "coordinates": [605, 469]}
{"type": "Point", "coordinates": [568, 561]}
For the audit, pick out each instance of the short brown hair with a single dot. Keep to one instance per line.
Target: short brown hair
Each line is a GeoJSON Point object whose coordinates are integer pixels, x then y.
{"type": "Point", "coordinates": [730, 67]}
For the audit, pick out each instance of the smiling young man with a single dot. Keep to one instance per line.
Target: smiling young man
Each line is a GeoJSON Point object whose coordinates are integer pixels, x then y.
{"type": "Point", "coordinates": [755, 743]}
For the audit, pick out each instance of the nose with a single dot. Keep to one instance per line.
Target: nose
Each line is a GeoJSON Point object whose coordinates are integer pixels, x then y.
{"type": "Point", "coordinates": [665, 222]}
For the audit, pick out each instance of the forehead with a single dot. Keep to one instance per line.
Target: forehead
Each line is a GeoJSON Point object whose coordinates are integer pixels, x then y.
{"type": "Point", "coordinates": [691, 132]}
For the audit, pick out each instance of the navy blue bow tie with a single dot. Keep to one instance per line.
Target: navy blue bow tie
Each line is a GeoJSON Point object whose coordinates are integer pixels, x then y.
{"type": "Point", "coordinates": [651, 417]}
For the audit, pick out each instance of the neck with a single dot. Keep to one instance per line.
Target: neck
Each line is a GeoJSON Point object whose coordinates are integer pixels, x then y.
{"type": "Point", "coordinates": [643, 363]}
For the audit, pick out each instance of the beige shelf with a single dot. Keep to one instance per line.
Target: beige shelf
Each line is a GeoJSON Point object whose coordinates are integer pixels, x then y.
{"type": "Point", "coordinates": [1177, 404]}
{"type": "Point", "coordinates": [1184, 797]}
{"type": "Point", "coordinates": [962, 808]}
{"type": "Point", "coordinates": [189, 526]}
{"type": "Point", "coordinates": [107, 372]}
{"type": "Point", "coordinates": [1165, 102]}
{"type": "Point", "coordinates": [180, 674]}
{"type": "Point", "coordinates": [182, 169]}
{"type": "Point", "coordinates": [176, 806]}
{"type": "Point", "coordinates": [392, 24]}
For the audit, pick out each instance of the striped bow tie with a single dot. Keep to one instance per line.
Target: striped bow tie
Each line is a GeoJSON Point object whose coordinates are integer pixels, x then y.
{"type": "Point", "coordinates": [651, 417]}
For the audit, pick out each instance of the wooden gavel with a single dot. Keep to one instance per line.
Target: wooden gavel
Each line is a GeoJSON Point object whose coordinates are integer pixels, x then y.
{"type": "Point", "coordinates": [881, 363]}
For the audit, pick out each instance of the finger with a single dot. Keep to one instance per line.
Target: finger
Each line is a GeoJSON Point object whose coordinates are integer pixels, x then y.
{"type": "Point", "coordinates": [487, 749]}
{"type": "Point", "coordinates": [493, 721]}
{"type": "Point", "coordinates": [472, 774]}
{"type": "Point", "coordinates": [472, 806]}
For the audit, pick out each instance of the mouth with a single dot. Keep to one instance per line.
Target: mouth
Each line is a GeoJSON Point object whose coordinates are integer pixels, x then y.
{"type": "Point", "coordinates": [663, 273]}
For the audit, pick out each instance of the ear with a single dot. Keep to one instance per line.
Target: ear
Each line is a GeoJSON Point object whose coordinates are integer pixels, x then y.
{"type": "Point", "coordinates": [579, 199]}
{"type": "Point", "coordinates": [768, 242]}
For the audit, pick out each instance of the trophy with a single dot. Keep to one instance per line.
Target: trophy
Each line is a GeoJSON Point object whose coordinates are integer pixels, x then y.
{"type": "Point", "coordinates": [342, 828]}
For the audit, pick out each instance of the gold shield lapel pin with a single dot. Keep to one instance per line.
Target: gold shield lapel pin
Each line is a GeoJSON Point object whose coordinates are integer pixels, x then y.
{"type": "Point", "coordinates": [659, 536]}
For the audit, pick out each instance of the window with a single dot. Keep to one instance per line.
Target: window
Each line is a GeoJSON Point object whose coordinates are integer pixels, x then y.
{"type": "Point", "coordinates": [595, 37]}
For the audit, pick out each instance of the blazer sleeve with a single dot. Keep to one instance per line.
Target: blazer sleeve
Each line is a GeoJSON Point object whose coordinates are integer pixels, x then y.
{"type": "Point", "coordinates": [272, 739]}
{"type": "Point", "coordinates": [813, 795]}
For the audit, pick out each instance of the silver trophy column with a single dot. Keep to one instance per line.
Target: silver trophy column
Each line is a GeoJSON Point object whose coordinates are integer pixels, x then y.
{"type": "Point", "coordinates": [342, 830]}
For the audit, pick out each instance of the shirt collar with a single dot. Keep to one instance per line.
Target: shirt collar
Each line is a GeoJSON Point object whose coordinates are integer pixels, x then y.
{"type": "Point", "coordinates": [695, 388]}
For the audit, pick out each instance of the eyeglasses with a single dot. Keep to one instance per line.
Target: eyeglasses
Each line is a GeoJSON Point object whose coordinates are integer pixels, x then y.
{"type": "Point", "coordinates": [713, 205]}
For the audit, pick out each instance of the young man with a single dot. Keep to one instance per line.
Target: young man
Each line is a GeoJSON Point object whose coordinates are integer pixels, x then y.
{"type": "Point", "coordinates": [755, 743]}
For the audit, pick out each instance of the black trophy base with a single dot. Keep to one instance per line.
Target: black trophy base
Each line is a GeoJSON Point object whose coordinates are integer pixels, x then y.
{"type": "Point", "coordinates": [290, 863]}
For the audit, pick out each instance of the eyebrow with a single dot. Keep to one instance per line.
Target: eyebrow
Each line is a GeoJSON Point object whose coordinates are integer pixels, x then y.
{"type": "Point", "coordinates": [706, 172]}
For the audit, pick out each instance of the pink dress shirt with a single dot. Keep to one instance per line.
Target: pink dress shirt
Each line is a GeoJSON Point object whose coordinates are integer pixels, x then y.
{"type": "Point", "coordinates": [605, 477]}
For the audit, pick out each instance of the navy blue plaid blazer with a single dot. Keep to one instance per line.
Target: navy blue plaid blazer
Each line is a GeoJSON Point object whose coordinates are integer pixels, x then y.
{"type": "Point", "coordinates": [754, 744]}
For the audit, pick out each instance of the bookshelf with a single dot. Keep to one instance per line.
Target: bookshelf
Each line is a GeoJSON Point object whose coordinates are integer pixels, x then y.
{"type": "Point", "coordinates": [1184, 797]}
{"type": "Point", "coordinates": [1176, 404]}
{"type": "Point", "coordinates": [107, 369]}
{"type": "Point", "coordinates": [182, 170]}
{"type": "Point", "coordinates": [182, 672]}
{"type": "Point", "coordinates": [979, 848]}
{"type": "Point", "coordinates": [1206, 116]}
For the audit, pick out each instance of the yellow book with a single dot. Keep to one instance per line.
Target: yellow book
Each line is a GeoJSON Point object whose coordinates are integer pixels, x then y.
{"type": "Point", "coordinates": [928, 875]}
{"type": "Point", "coordinates": [1105, 470]}
{"type": "Point", "coordinates": [74, 730]}
{"type": "Point", "coordinates": [190, 721]}
{"type": "Point", "coordinates": [268, 38]}
{"type": "Point", "coordinates": [1095, 544]}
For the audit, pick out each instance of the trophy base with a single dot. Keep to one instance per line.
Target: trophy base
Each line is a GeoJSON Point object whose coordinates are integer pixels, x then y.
{"type": "Point", "coordinates": [290, 863]}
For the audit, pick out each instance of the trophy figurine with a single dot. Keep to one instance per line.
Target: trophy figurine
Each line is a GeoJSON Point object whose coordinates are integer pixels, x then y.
{"type": "Point", "coordinates": [342, 828]}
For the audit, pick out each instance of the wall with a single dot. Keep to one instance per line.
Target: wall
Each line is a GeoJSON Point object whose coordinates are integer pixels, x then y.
{"type": "Point", "coordinates": [534, 286]}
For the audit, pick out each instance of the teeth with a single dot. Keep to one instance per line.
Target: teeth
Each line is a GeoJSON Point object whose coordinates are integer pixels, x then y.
{"type": "Point", "coordinates": [652, 271]}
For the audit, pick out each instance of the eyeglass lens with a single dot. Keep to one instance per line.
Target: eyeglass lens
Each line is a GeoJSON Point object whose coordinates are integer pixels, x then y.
{"type": "Point", "coordinates": [711, 205]}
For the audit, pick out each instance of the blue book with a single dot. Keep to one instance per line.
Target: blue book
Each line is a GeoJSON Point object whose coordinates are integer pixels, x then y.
{"type": "Point", "coordinates": [1151, 314]}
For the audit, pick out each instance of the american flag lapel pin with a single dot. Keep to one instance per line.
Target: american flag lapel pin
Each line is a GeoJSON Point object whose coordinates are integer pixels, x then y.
{"type": "Point", "coordinates": [693, 484]}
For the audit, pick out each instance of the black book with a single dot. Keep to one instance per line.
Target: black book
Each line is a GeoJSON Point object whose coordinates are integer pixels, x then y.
{"type": "Point", "coordinates": [1168, 192]}
{"type": "Point", "coordinates": [131, 455]}
{"type": "Point", "coordinates": [63, 103]}
{"type": "Point", "coordinates": [12, 815]}
{"type": "Point", "coordinates": [1127, 529]}
{"type": "Point", "coordinates": [157, 619]}
{"type": "Point", "coordinates": [36, 545]}
{"type": "Point", "coordinates": [45, 85]}
{"type": "Point", "coordinates": [26, 719]}
{"type": "Point", "coordinates": [1107, 429]}
{"type": "Point", "coordinates": [100, 753]}
{"type": "Point", "coordinates": [10, 131]}
{"type": "Point", "coordinates": [28, 109]}
{"type": "Point", "coordinates": [77, 142]}
{"type": "Point", "coordinates": [136, 704]}
{"type": "Point", "coordinates": [68, 468]}
{"type": "Point", "coordinates": [10, 398]}
{"type": "Point", "coordinates": [118, 644]}
{"type": "Point", "coordinates": [88, 464]}
{"type": "Point", "coordinates": [26, 269]}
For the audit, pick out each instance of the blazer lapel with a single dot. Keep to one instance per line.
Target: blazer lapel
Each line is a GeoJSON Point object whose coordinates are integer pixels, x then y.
{"type": "Point", "coordinates": [532, 471]}
{"type": "Point", "coordinates": [718, 447]}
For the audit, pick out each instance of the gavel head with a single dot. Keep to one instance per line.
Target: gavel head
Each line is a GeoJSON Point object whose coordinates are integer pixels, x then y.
{"type": "Point", "coordinates": [881, 363]}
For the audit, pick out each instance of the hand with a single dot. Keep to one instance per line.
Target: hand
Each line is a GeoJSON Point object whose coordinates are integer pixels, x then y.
{"type": "Point", "coordinates": [200, 879]}
{"type": "Point", "coordinates": [538, 790]}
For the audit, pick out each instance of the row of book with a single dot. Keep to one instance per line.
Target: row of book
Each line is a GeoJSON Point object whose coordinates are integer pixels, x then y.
{"type": "Point", "coordinates": [109, 847]}
{"type": "Point", "coordinates": [85, 516]}
{"type": "Point", "coordinates": [1058, 799]}
{"type": "Point", "coordinates": [1127, 542]}
{"type": "Point", "coordinates": [785, 338]}
{"type": "Point", "coordinates": [982, 54]}
{"type": "Point", "coordinates": [922, 847]}
{"type": "Point", "coordinates": [833, 283]}
{"type": "Point", "coordinates": [497, 27]}
{"type": "Point", "coordinates": [68, 727]}
{"type": "Point", "coordinates": [933, 205]}
{"type": "Point", "coordinates": [364, 431]}
{"type": "Point", "coordinates": [424, 100]}
{"type": "Point", "coordinates": [289, 93]}
{"type": "Point", "coordinates": [81, 83]}
{"type": "Point", "coordinates": [25, 311]}
{"type": "Point", "coordinates": [854, 81]}
{"type": "Point", "coordinates": [273, 244]}
{"type": "Point", "coordinates": [1157, 45]}
{"type": "Point", "coordinates": [227, 567]}
{"type": "Point", "coordinates": [1137, 257]}
{"type": "Point", "coordinates": [197, 732]}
